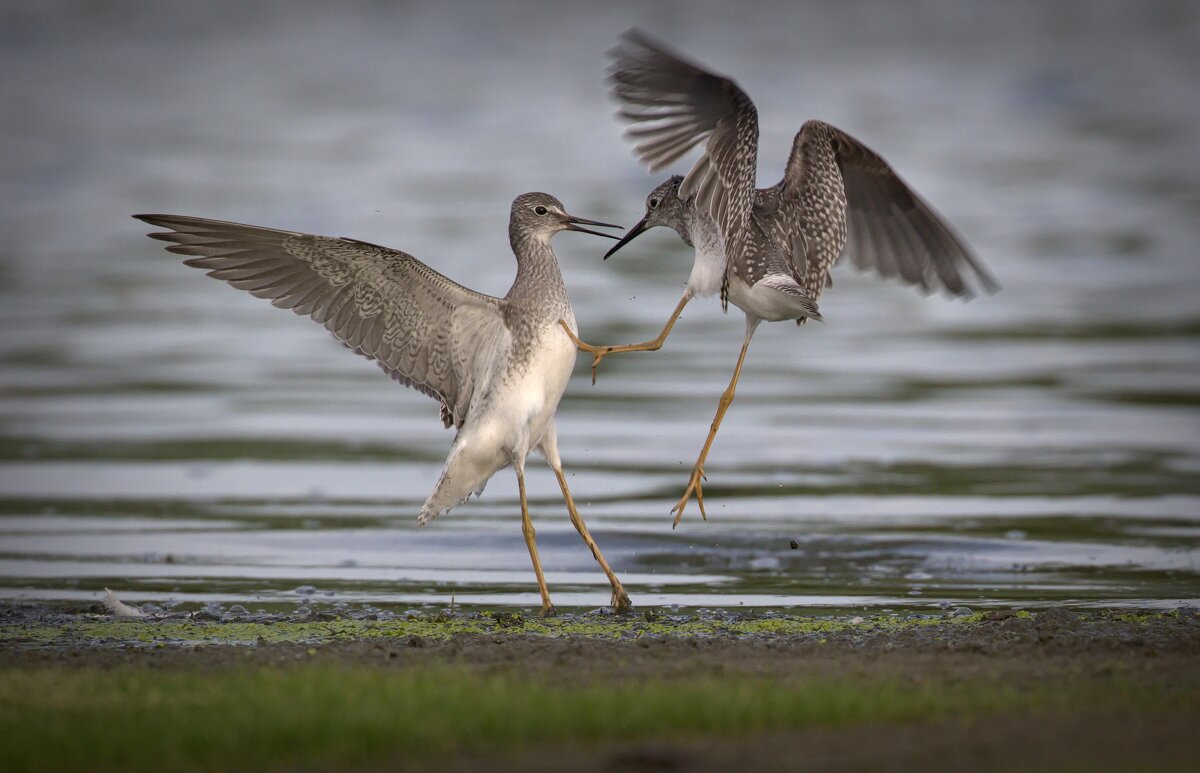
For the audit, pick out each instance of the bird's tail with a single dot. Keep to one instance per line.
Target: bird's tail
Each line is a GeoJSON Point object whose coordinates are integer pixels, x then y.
{"type": "Point", "coordinates": [465, 474]}
{"type": "Point", "coordinates": [120, 608]}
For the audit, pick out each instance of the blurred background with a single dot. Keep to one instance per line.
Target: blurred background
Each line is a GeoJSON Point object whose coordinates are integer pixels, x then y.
{"type": "Point", "coordinates": [165, 435]}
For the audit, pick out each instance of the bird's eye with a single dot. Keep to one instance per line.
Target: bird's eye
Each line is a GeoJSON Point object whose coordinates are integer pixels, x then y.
{"type": "Point", "coordinates": [652, 203]}
{"type": "Point", "coordinates": [540, 210]}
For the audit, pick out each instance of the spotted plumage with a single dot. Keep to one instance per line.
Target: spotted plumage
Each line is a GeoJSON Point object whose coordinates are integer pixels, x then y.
{"type": "Point", "coordinates": [837, 197]}
{"type": "Point", "coordinates": [771, 248]}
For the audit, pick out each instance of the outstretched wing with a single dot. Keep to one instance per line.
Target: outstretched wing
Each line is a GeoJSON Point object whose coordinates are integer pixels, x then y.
{"type": "Point", "coordinates": [890, 228]}
{"type": "Point", "coordinates": [423, 329]}
{"type": "Point", "coordinates": [675, 105]}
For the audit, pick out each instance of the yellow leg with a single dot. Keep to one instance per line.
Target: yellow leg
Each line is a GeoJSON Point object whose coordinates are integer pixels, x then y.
{"type": "Point", "coordinates": [600, 352]}
{"type": "Point", "coordinates": [695, 485]}
{"type": "Point", "coordinates": [531, 542]}
{"type": "Point", "coordinates": [620, 599]}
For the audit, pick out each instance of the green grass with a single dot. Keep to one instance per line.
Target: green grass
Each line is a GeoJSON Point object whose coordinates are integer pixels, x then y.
{"type": "Point", "coordinates": [317, 715]}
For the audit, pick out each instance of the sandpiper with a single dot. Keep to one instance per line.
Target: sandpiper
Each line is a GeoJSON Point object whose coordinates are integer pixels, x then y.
{"type": "Point", "coordinates": [497, 365]}
{"type": "Point", "coordinates": [767, 250]}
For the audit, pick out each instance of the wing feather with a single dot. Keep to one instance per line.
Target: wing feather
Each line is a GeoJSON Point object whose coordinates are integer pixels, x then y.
{"type": "Point", "coordinates": [675, 104]}
{"type": "Point", "coordinates": [382, 303]}
{"type": "Point", "coordinates": [890, 228]}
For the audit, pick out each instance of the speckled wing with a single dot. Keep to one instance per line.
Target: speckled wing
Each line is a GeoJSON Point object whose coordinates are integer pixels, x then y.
{"type": "Point", "coordinates": [423, 329]}
{"type": "Point", "coordinates": [890, 228]}
{"type": "Point", "coordinates": [675, 105]}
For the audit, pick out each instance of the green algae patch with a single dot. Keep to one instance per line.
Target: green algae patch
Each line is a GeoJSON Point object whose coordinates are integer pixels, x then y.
{"type": "Point", "coordinates": [32, 634]}
{"type": "Point", "coordinates": [185, 632]}
{"type": "Point", "coordinates": [95, 631]}
{"type": "Point", "coordinates": [98, 631]}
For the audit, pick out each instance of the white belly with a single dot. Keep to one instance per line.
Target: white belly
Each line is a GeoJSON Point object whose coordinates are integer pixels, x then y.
{"type": "Point", "coordinates": [522, 403]}
{"type": "Point", "coordinates": [514, 413]}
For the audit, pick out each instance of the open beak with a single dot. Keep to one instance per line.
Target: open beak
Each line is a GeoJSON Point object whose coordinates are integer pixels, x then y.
{"type": "Point", "coordinates": [629, 236]}
{"type": "Point", "coordinates": [573, 224]}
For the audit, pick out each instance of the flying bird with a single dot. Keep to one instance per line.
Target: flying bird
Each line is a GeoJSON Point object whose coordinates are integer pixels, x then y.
{"type": "Point", "coordinates": [767, 250]}
{"type": "Point", "coordinates": [498, 366]}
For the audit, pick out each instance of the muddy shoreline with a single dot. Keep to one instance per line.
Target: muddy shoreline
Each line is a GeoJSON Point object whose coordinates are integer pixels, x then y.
{"type": "Point", "coordinates": [1105, 653]}
{"type": "Point", "coordinates": [626, 644]}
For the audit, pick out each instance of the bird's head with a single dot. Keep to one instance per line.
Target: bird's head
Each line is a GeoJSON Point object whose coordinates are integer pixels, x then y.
{"type": "Point", "coordinates": [539, 216]}
{"type": "Point", "coordinates": [663, 207]}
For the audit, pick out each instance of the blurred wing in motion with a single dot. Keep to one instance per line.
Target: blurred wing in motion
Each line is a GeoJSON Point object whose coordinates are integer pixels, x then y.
{"type": "Point", "coordinates": [675, 105]}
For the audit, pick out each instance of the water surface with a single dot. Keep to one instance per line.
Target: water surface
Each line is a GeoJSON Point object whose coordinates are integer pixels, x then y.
{"type": "Point", "coordinates": [166, 436]}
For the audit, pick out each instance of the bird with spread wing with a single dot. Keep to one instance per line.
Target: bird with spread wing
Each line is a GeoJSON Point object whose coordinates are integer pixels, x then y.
{"type": "Point", "coordinates": [767, 250]}
{"type": "Point", "coordinates": [498, 366]}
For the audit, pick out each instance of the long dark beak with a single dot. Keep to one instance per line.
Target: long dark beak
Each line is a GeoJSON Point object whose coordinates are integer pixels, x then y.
{"type": "Point", "coordinates": [629, 236]}
{"type": "Point", "coordinates": [573, 224]}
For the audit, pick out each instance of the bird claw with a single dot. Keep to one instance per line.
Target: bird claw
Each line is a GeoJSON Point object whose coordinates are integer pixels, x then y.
{"type": "Point", "coordinates": [694, 485]}
{"type": "Point", "coordinates": [547, 611]}
{"type": "Point", "coordinates": [597, 356]}
{"type": "Point", "coordinates": [620, 600]}
{"type": "Point", "coordinates": [598, 352]}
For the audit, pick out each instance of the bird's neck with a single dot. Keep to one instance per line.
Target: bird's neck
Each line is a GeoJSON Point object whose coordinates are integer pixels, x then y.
{"type": "Point", "coordinates": [700, 231]}
{"type": "Point", "coordinates": [539, 283]}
